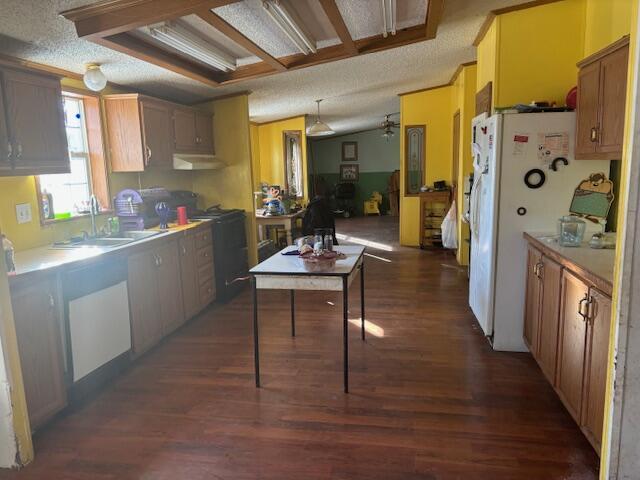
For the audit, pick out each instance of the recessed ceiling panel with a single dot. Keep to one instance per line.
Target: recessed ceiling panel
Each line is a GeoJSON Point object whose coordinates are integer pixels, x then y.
{"type": "Point", "coordinates": [364, 17]}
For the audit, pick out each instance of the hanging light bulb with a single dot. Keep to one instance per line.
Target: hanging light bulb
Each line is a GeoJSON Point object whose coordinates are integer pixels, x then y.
{"type": "Point", "coordinates": [94, 79]}
{"type": "Point", "coordinates": [319, 129]}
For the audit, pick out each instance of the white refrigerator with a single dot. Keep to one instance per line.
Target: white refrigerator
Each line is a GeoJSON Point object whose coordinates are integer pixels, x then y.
{"type": "Point", "coordinates": [506, 147]}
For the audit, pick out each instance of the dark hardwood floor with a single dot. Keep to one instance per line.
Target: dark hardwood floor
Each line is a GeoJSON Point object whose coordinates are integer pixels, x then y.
{"type": "Point", "coordinates": [429, 398]}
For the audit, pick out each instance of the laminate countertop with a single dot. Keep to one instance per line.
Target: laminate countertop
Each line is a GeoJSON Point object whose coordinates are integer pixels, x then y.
{"type": "Point", "coordinates": [596, 265]}
{"type": "Point", "coordinates": [48, 258]}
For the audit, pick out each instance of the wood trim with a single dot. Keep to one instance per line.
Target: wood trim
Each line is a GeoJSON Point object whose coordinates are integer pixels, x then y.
{"type": "Point", "coordinates": [221, 97]}
{"type": "Point", "coordinates": [129, 45]}
{"type": "Point", "coordinates": [435, 10]}
{"type": "Point", "coordinates": [282, 120]}
{"type": "Point", "coordinates": [406, 158]}
{"type": "Point", "coordinates": [111, 17]}
{"type": "Point", "coordinates": [609, 49]}
{"type": "Point", "coordinates": [484, 28]}
{"type": "Point", "coordinates": [451, 82]}
{"type": "Point", "coordinates": [97, 157]}
{"type": "Point", "coordinates": [459, 70]}
{"type": "Point", "coordinates": [484, 99]}
{"type": "Point", "coordinates": [335, 17]}
{"type": "Point", "coordinates": [297, 133]}
{"type": "Point", "coordinates": [231, 32]}
{"type": "Point", "coordinates": [422, 90]}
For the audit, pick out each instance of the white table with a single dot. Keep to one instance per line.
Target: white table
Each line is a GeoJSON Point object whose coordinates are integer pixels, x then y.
{"type": "Point", "coordinates": [287, 221]}
{"type": "Point", "coordinates": [287, 272]}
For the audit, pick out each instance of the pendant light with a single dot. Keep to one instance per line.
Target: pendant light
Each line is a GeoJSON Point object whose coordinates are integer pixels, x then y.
{"type": "Point", "coordinates": [94, 79]}
{"type": "Point", "coordinates": [319, 129]}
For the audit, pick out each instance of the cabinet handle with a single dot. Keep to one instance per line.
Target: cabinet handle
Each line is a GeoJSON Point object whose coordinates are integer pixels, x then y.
{"type": "Point", "coordinates": [594, 134]}
{"type": "Point", "coordinates": [184, 250]}
{"type": "Point", "coordinates": [198, 140]}
{"type": "Point", "coordinates": [18, 151]}
{"type": "Point", "coordinates": [9, 150]}
{"type": "Point", "coordinates": [580, 307]}
{"type": "Point", "coordinates": [159, 260]}
{"type": "Point", "coordinates": [148, 155]}
{"type": "Point", "coordinates": [591, 304]}
{"type": "Point", "coordinates": [52, 301]}
{"type": "Point", "coordinates": [538, 269]}
{"type": "Point", "coordinates": [156, 259]}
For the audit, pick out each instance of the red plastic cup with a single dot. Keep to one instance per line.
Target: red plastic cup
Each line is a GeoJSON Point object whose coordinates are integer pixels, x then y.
{"type": "Point", "coordinates": [182, 215]}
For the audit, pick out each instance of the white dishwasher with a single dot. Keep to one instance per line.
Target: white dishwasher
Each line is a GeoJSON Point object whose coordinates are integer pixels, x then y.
{"type": "Point", "coordinates": [98, 322]}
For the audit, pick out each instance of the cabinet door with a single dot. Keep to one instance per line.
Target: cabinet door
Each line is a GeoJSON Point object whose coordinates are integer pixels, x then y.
{"type": "Point", "coordinates": [35, 121]}
{"type": "Point", "coordinates": [587, 111]}
{"type": "Point", "coordinates": [156, 121]}
{"type": "Point", "coordinates": [144, 300]}
{"type": "Point", "coordinates": [40, 346]}
{"type": "Point", "coordinates": [613, 94]}
{"type": "Point", "coordinates": [204, 130]}
{"type": "Point", "coordinates": [184, 130]}
{"type": "Point", "coordinates": [170, 287]}
{"type": "Point", "coordinates": [189, 276]}
{"type": "Point", "coordinates": [597, 360]}
{"type": "Point", "coordinates": [572, 345]}
{"type": "Point", "coordinates": [532, 301]}
{"type": "Point", "coordinates": [551, 273]}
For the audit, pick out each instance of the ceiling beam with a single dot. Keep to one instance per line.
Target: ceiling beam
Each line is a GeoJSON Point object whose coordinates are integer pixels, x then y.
{"type": "Point", "coordinates": [134, 47]}
{"type": "Point", "coordinates": [231, 32]}
{"type": "Point", "coordinates": [335, 17]}
{"type": "Point", "coordinates": [329, 54]}
{"type": "Point", "coordinates": [111, 17]}
{"type": "Point", "coordinates": [434, 16]}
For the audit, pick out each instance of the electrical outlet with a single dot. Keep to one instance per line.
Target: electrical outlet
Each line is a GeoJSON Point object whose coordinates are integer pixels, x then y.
{"type": "Point", "coordinates": [23, 212]}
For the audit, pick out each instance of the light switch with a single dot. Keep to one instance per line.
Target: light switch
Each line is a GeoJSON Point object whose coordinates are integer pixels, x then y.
{"type": "Point", "coordinates": [23, 212]}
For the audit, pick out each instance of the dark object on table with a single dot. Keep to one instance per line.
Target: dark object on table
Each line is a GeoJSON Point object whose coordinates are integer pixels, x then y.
{"type": "Point", "coordinates": [540, 107]}
{"type": "Point", "coordinates": [163, 211]}
{"type": "Point", "coordinates": [136, 208]}
{"type": "Point", "coordinates": [440, 185]}
{"type": "Point", "coordinates": [183, 198]}
{"type": "Point", "coordinates": [318, 215]}
{"type": "Point", "coordinates": [345, 193]}
{"type": "Point", "coordinates": [572, 98]}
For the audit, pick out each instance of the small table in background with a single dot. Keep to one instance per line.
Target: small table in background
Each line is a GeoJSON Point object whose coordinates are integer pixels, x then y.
{"type": "Point", "coordinates": [287, 221]}
{"type": "Point", "coordinates": [287, 272]}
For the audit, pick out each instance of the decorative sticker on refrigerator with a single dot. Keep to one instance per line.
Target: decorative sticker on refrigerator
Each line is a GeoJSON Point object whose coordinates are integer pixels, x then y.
{"type": "Point", "coordinates": [520, 144]}
{"type": "Point", "coordinates": [552, 145]}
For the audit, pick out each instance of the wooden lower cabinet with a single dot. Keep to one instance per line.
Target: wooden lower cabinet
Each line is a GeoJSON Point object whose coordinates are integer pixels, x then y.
{"type": "Point", "coordinates": [197, 270]}
{"type": "Point", "coordinates": [38, 330]}
{"type": "Point", "coordinates": [597, 359]}
{"type": "Point", "coordinates": [189, 275]}
{"type": "Point", "coordinates": [170, 287]}
{"type": "Point", "coordinates": [567, 328]}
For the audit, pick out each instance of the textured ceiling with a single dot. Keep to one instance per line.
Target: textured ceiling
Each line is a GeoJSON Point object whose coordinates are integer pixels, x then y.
{"type": "Point", "coordinates": [358, 90]}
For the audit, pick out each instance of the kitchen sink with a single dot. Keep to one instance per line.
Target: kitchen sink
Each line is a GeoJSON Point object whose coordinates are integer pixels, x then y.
{"type": "Point", "coordinates": [103, 242]}
{"type": "Point", "coordinates": [115, 240]}
{"type": "Point", "coordinates": [134, 234]}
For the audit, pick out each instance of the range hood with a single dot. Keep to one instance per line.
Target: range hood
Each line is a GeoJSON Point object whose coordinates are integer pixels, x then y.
{"type": "Point", "coordinates": [196, 162]}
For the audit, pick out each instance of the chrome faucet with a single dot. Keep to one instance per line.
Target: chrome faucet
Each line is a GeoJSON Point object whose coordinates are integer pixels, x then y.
{"type": "Point", "coordinates": [94, 209]}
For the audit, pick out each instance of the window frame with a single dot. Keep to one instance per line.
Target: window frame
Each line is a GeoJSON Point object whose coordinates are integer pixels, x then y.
{"type": "Point", "coordinates": [96, 159]}
{"type": "Point", "coordinates": [285, 135]}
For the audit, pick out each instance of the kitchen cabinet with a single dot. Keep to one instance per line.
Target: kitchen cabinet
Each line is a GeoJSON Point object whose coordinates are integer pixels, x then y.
{"type": "Point", "coordinates": [138, 132]}
{"type": "Point", "coordinates": [602, 88]}
{"type": "Point", "coordinates": [155, 294]}
{"type": "Point", "coordinates": [597, 359]}
{"type": "Point", "coordinates": [193, 131]}
{"type": "Point", "coordinates": [32, 129]}
{"type": "Point", "coordinates": [567, 328]}
{"type": "Point", "coordinates": [433, 208]}
{"type": "Point", "coordinates": [38, 329]}
{"type": "Point", "coordinates": [188, 275]}
{"type": "Point", "coordinates": [197, 270]}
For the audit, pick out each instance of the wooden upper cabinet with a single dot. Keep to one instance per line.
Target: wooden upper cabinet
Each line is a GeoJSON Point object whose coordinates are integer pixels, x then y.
{"type": "Point", "coordinates": [532, 299]}
{"type": "Point", "coordinates": [156, 129]}
{"type": "Point", "coordinates": [38, 330]}
{"type": "Point", "coordinates": [572, 343]}
{"type": "Point", "coordinates": [138, 133]}
{"type": "Point", "coordinates": [5, 147]}
{"type": "Point", "coordinates": [184, 130]}
{"type": "Point", "coordinates": [35, 130]}
{"type": "Point", "coordinates": [602, 89]}
{"type": "Point", "coordinates": [193, 131]}
{"type": "Point", "coordinates": [597, 360]}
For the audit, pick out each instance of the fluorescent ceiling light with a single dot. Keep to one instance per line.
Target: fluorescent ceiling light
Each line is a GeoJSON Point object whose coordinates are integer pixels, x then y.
{"type": "Point", "coordinates": [388, 17]}
{"type": "Point", "coordinates": [319, 129]}
{"type": "Point", "coordinates": [178, 37]}
{"type": "Point", "coordinates": [287, 24]}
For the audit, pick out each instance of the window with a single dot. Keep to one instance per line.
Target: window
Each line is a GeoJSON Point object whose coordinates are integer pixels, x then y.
{"type": "Point", "coordinates": [414, 158]}
{"type": "Point", "coordinates": [293, 163]}
{"type": "Point", "coordinates": [67, 195]}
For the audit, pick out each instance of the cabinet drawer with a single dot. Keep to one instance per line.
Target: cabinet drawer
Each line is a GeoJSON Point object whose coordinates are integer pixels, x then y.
{"type": "Point", "coordinates": [207, 292]}
{"type": "Point", "coordinates": [205, 273]}
{"type": "Point", "coordinates": [203, 238]}
{"type": "Point", "coordinates": [204, 256]}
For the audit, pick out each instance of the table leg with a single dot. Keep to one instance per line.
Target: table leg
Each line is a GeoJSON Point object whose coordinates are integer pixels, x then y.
{"type": "Point", "coordinates": [345, 326]}
{"type": "Point", "coordinates": [362, 296]}
{"type": "Point", "coordinates": [288, 227]}
{"type": "Point", "coordinates": [260, 232]}
{"type": "Point", "coordinates": [256, 352]}
{"type": "Point", "coordinates": [293, 313]}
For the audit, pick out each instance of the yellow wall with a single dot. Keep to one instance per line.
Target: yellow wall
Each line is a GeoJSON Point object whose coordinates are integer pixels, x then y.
{"type": "Point", "coordinates": [268, 139]}
{"type": "Point", "coordinates": [231, 186]}
{"type": "Point", "coordinates": [464, 101]}
{"type": "Point", "coordinates": [606, 21]}
{"type": "Point", "coordinates": [487, 55]}
{"type": "Point", "coordinates": [433, 108]}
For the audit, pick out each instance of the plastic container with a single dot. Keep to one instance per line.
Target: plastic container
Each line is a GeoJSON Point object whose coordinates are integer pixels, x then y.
{"type": "Point", "coordinates": [571, 231]}
{"type": "Point", "coordinates": [182, 215]}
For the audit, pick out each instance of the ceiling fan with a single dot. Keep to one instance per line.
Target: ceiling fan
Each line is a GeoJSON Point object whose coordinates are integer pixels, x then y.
{"type": "Point", "coordinates": [388, 125]}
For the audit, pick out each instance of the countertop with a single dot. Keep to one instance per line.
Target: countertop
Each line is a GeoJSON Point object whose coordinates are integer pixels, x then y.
{"type": "Point", "coordinates": [44, 259]}
{"type": "Point", "coordinates": [595, 264]}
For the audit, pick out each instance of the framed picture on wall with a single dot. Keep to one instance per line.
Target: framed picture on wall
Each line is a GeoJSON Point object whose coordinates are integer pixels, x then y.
{"type": "Point", "coordinates": [349, 173]}
{"type": "Point", "coordinates": [349, 151]}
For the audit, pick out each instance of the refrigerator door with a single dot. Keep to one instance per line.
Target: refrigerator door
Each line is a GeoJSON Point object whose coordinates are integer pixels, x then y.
{"type": "Point", "coordinates": [483, 223]}
{"type": "Point", "coordinates": [523, 135]}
